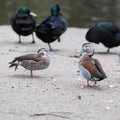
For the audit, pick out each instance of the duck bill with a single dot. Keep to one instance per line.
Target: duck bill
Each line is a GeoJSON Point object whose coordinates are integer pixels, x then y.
{"type": "Point", "coordinates": [81, 51]}
{"type": "Point", "coordinates": [60, 13]}
{"type": "Point", "coordinates": [33, 14]}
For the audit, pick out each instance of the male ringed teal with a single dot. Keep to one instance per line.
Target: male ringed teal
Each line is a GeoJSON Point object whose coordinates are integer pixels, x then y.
{"type": "Point", "coordinates": [90, 68]}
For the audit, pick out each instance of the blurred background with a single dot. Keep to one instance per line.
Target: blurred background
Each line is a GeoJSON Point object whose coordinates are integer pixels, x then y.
{"type": "Point", "coordinates": [78, 13]}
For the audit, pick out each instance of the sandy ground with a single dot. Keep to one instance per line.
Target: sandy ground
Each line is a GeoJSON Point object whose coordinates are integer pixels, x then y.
{"type": "Point", "coordinates": [57, 93]}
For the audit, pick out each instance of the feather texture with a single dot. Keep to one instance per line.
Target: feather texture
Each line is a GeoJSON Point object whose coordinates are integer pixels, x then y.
{"type": "Point", "coordinates": [32, 61]}
{"type": "Point", "coordinates": [23, 23]}
{"type": "Point", "coordinates": [106, 33]}
{"type": "Point", "coordinates": [52, 27]}
{"type": "Point", "coordinates": [91, 66]}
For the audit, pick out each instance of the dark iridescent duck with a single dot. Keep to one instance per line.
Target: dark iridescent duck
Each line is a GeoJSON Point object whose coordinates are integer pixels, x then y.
{"type": "Point", "coordinates": [23, 23]}
{"type": "Point", "coordinates": [106, 33]}
{"type": "Point", "coordinates": [52, 27]}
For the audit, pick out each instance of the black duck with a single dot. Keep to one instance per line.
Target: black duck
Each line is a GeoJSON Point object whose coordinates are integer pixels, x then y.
{"type": "Point", "coordinates": [106, 33]}
{"type": "Point", "coordinates": [52, 27]}
{"type": "Point", "coordinates": [23, 23]}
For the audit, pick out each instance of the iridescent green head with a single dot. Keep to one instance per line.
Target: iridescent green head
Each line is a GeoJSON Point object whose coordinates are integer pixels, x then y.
{"type": "Point", "coordinates": [23, 9]}
{"type": "Point", "coordinates": [55, 10]}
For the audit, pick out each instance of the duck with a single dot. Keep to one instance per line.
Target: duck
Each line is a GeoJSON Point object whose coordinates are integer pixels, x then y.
{"type": "Point", "coordinates": [106, 33]}
{"type": "Point", "coordinates": [32, 62]}
{"type": "Point", "coordinates": [23, 22]}
{"type": "Point", "coordinates": [90, 68]}
{"type": "Point", "coordinates": [52, 27]}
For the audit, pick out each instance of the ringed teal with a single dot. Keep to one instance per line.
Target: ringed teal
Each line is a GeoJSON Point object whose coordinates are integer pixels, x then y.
{"type": "Point", "coordinates": [32, 62]}
{"type": "Point", "coordinates": [90, 68]}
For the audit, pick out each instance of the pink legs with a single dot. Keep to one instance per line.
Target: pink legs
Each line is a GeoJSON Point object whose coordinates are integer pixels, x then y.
{"type": "Point", "coordinates": [16, 67]}
{"type": "Point", "coordinates": [89, 85]}
{"type": "Point", "coordinates": [31, 73]}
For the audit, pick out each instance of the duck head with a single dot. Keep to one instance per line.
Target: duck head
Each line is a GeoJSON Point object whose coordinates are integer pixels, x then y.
{"type": "Point", "coordinates": [25, 10]}
{"type": "Point", "coordinates": [87, 48]}
{"type": "Point", "coordinates": [55, 10]}
{"type": "Point", "coordinates": [43, 51]}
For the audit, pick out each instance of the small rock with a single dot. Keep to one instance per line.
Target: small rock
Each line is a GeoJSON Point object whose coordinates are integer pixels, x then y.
{"type": "Point", "coordinates": [82, 86]}
{"type": "Point", "coordinates": [107, 108]}
{"type": "Point", "coordinates": [79, 97]}
{"type": "Point", "coordinates": [111, 86]}
{"type": "Point", "coordinates": [52, 78]}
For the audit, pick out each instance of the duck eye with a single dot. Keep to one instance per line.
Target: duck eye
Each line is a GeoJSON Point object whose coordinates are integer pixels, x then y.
{"type": "Point", "coordinates": [41, 54]}
{"type": "Point", "coordinates": [46, 51]}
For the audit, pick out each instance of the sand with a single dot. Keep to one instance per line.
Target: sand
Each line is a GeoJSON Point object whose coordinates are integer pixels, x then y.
{"type": "Point", "coordinates": [56, 93]}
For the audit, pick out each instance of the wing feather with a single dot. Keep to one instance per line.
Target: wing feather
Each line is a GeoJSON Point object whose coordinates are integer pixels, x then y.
{"type": "Point", "coordinates": [91, 67]}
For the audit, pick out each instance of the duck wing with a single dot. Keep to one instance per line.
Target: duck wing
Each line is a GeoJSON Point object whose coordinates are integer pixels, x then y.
{"type": "Point", "coordinates": [27, 57]}
{"type": "Point", "coordinates": [94, 68]}
{"type": "Point", "coordinates": [99, 68]}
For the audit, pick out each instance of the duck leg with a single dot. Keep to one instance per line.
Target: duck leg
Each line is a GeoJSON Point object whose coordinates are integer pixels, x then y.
{"type": "Point", "coordinates": [89, 85]}
{"type": "Point", "coordinates": [31, 73]}
{"type": "Point", "coordinates": [16, 67]}
{"type": "Point", "coordinates": [19, 39]}
{"type": "Point", "coordinates": [50, 47]}
{"type": "Point", "coordinates": [33, 40]}
{"type": "Point", "coordinates": [108, 50]}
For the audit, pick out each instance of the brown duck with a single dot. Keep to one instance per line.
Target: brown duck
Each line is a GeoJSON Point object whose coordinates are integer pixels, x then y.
{"type": "Point", "coordinates": [32, 62]}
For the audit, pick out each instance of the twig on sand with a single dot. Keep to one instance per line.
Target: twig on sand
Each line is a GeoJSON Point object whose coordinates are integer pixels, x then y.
{"type": "Point", "coordinates": [50, 114]}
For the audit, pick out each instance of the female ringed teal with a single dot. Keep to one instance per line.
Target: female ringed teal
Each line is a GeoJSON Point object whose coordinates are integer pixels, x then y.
{"type": "Point", "coordinates": [32, 62]}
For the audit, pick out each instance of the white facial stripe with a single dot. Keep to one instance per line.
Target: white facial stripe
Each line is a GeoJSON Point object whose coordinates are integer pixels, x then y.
{"type": "Point", "coordinates": [88, 48]}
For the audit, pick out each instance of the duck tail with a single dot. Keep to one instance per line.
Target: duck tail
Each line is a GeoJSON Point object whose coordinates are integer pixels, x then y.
{"type": "Point", "coordinates": [12, 61]}
{"type": "Point", "coordinates": [14, 65]}
{"type": "Point", "coordinates": [103, 77]}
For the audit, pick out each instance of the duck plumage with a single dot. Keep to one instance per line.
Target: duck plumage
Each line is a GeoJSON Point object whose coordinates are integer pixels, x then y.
{"type": "Point", "coordinates": [52, 27]}
{"type": "Point", "coordinates": [106, 33]}
{"type": "Point", "coordinates": [23, 23]}
{"type": "Point", "coordinates": [31, 62]}
{"type": "Point", "coordinates": [90, 68]}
